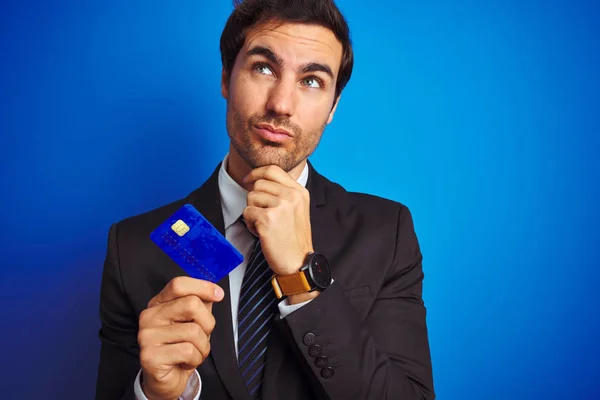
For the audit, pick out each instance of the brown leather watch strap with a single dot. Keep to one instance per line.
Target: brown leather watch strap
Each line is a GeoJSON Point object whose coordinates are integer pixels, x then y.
{"type": "Point", "coordinates": [287, 285]}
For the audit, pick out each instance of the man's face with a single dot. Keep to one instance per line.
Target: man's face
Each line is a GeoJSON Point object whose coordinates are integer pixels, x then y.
{"type": "Point", "coordinates": [283, 80]}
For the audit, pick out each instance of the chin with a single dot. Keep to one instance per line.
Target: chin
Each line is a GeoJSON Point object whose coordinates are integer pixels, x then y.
{"type": "Point", "coordinates": [263, 157]}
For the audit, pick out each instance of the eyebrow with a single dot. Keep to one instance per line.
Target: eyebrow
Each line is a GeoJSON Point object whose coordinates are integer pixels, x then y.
{"type": "Point", "coordinates": [274, 58]}
{"type": "Point", "coordinates": [313, 67]}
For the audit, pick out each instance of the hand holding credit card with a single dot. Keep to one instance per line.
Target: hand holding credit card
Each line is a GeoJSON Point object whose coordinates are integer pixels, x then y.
{"type": "Point", "coordinates": [175, 328]}
{"type": "Point", "coordinates": [190, 240]}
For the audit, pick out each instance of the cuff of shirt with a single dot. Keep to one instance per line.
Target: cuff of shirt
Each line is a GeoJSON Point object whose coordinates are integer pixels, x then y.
{"type": "Point", "coordinates": [191, 392]}
{"type": "Point", "coordinates": [286, 309]}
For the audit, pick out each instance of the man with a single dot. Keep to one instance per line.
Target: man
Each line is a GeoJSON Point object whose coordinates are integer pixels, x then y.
{"type": "Point", "coordinates": [343, 317]}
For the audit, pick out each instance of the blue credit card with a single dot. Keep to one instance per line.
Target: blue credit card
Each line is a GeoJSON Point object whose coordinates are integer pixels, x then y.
{"type": "Point", "coordinates": [196, 246]}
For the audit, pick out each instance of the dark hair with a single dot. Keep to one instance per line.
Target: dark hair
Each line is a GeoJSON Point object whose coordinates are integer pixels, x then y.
{"type": "Point", "coordinates": [248, 13]}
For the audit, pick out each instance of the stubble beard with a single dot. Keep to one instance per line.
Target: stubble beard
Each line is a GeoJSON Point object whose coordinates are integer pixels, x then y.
{"type": "Point", "coordinates": [265, 153]}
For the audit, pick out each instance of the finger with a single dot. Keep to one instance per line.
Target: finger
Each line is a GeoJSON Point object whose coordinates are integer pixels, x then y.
{"type": "Point", "coordinates": [262, 199]}
{"type": "Point", "coordinates": [176, 333]}
{"type": "Point", "coordinates": [184, 309]}
{"type": "Point", "coordinates": [182, 286]}
{"type": "Point", "coordinates": [274, 188]}
{"type": "Point", "coordinates": [272, 173]}
{"type": "Point", "coordinates": [184, 354]}
{"type": "Point", "coordinates": [251, 215]}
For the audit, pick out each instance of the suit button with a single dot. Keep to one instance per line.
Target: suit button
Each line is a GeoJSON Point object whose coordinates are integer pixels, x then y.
{"type": "Point", "coordinates": [309, 339]}
{"type": "Point", "coordinates": [315, 350]}
{"type": "Point", "coordinates": [321, 362]}
{"type": "Point", "coordinates": [327, 372]}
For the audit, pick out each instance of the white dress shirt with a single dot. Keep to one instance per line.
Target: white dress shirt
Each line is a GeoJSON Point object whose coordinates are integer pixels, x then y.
{"type": "Point", "coordinates": [233, 203]}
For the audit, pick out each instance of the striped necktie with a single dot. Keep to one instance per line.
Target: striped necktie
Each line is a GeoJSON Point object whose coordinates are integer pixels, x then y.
{"type": "Point", "coordinates": [256, 310]}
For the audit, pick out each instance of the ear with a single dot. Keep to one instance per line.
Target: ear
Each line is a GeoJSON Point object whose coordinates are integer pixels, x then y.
{"type": "Point", "coordinates": [333, 110]}
{"type": "Point", "coordinates": [224, 84]}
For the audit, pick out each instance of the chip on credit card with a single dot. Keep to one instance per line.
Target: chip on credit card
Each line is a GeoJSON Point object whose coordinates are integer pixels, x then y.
{"type": "Point", "coordinates": [196, 245]}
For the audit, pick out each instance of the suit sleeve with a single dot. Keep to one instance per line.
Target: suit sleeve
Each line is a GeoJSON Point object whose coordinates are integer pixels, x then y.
{"type": "Point", "coordinates": [119, 353]}
{"type": "Point", "coordinates": [386, 355]}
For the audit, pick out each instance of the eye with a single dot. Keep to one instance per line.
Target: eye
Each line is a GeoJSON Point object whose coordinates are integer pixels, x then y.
{"type": "Point", "coordinates": [312, 82]}
{"type": "Point", "coordinates": [262, 68]}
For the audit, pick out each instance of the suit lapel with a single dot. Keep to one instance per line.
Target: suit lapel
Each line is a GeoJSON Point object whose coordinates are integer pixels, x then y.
{"type": "Point", "coordinates": [207, 200]}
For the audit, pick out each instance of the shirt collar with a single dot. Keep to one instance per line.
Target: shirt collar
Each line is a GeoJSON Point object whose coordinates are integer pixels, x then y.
{"type": "Point", "coordinates": [233, 196]}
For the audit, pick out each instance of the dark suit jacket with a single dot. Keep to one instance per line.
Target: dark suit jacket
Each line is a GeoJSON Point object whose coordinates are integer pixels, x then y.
{"type": "Point", "coordinates": [370, 323]}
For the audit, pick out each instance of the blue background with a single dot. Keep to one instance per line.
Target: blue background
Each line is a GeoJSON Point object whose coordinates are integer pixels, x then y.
{"type": "Point", "coordinates": [483, 118]}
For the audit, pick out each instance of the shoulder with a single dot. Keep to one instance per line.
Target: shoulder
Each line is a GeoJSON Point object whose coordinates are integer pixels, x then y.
{"type": "Point", "coordinates": [376, 207]}
{"type": "Point", "coordinates": [144, 223]}
{"type": "Point", "coordinates": [363, 232]}
{"type": "Point", "coordinates": [370, 222]}
{"type": "Point", "coordinates": [139, 226]}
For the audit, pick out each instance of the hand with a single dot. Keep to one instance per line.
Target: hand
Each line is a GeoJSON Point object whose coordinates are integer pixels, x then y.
{"type": "Point", "coordinates": [174, 333]}
{"type": "Point", "coordinates": [279, 213]}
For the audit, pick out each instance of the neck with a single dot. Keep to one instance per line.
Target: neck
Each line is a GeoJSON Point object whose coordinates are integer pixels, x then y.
{"type": "Point", "coordinates": [237, 168]}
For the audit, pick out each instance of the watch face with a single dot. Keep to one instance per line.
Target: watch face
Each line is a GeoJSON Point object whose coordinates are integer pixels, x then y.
{"type": "Point", "coordinates": [320, 272]}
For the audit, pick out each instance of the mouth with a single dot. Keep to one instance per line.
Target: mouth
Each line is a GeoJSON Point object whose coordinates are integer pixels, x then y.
{"type": "Point", "coordinates": [273, 134]}
{"type": "Point", "coordinates": [271, 128]}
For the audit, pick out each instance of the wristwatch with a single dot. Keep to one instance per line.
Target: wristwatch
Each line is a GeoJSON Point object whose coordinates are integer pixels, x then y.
{"type": "Point", "coordinates": [314, 275]}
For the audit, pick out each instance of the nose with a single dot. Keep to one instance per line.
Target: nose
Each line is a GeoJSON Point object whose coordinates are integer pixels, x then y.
{"type": "Point", "coordinates": [282, 98]}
